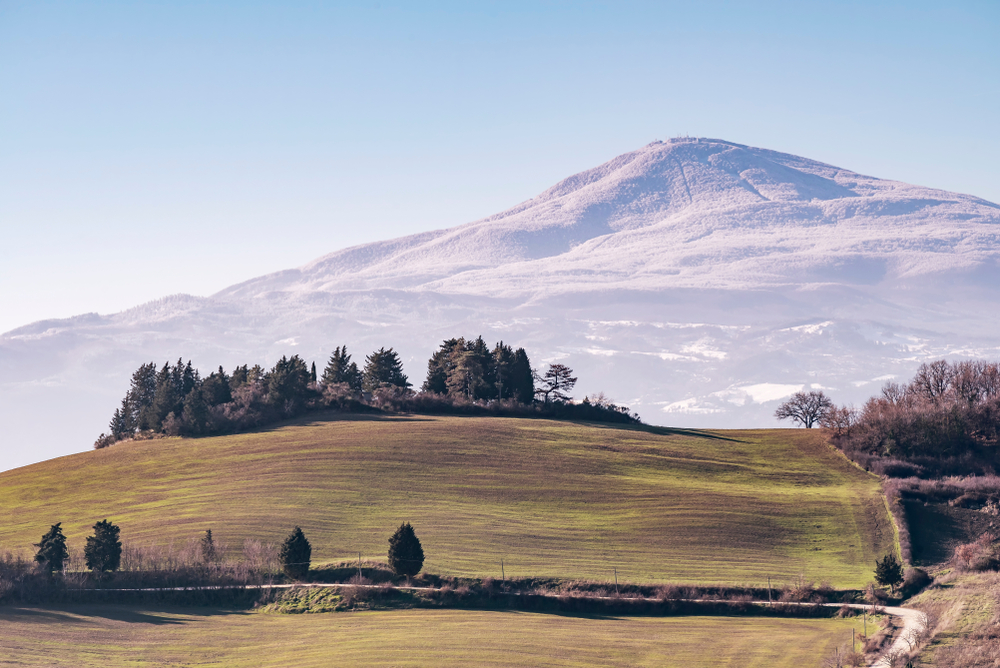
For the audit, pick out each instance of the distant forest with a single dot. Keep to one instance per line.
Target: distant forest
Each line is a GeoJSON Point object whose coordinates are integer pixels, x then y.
{"type": "Point", "coordinates": [463, 376]}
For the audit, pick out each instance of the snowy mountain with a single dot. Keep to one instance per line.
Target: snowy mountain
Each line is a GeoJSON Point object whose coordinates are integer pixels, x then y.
{"type": "Point", "coordinates": [698, 280]}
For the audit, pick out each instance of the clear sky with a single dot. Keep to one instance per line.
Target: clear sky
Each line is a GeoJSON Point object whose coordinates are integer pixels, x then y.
{"type": "Point", "coordinates": [150, 148]}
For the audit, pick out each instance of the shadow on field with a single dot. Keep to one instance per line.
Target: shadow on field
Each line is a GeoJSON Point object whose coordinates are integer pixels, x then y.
{"type": "Point", "coordinates": [667, 431]}
{"type": "Point", "coordinates": [166, 616]}
{"type": "Point", "coordinates": [564, 613]}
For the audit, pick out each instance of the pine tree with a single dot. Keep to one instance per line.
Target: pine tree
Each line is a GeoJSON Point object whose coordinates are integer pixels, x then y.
{"type": "Point", "coordinates": [288, 385]}
{"type": "Point", "coordinates": [240, 376]}
{"type": "Point", "coordinates": [166, 399]}
{"type": "Point", "coordinates": [383, 368]}
{"type": "Point", "coordinates": [139, 399]}
{"type": "Point", "coordinates": [295, 555]}
{"type": "Point", "coordinates": [103, 551]}
{"type": "Point", "coordinates": [440, 366]}
{"type": "Point", "coordinates": [312, 373]}
{"type": "Point", "coordinates": [52, 551]}
{"type": "Point", "coordinates": [194, 417]}
{"type": "Point", "coordinates": [216, 389]}
{"type": "Point", "coordinates": [889, 572]}
{"type": "Point", "coordinates": [340, 369]}
{"type": "Point", "coordinates": [406, 555]}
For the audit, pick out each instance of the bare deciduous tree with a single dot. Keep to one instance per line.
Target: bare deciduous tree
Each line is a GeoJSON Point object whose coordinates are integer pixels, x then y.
{"type": "Point", "coordinates": [806, 408]}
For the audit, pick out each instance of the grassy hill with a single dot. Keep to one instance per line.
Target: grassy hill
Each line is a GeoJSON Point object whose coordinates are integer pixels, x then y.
{"type": "Point", "coordinates": [111, 636]}
{"type": "Point", "coordinates": [549, 498]}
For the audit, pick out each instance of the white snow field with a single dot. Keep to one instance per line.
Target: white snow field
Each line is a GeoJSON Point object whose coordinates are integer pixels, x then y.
{"type": "Point", "coordinates": [696, 280]}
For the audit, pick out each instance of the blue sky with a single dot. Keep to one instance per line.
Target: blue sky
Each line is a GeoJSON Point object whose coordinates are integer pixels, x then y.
{"type": "Point", "coordinates": [150, 148]}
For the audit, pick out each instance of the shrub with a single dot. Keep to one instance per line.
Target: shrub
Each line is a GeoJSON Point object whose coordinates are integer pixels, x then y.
{"type": "Point", "coordinates": [982, 554]}
{"type": "Point", "coordinates": [914, 579]}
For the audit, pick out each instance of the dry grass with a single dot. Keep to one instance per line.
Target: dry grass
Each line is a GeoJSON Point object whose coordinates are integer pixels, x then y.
{"type": "Point", "coordinates": [965, 610]}
{"type": "Point", "coordinates": [549, 498]}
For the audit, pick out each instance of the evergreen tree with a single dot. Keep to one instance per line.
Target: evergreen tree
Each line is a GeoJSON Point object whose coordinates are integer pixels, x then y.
{"type": "Point", "coordinates": [889, 572]}
{"type": "Point", "coordinates": [208, 554]}
{"type": "Point", "coordinates": [522, 380]}
{"type": "Point", "coordinates": [383, 368]}
{"type": "Point", "coordinates": [467, 373]}
{"type": "Point", "coordinates": [556, 383]}
{"type": "Point", "coordinates": [103, 551]}
{"type": "Point", "coordinates": [216, 389]}
{"type": "Point", "coordinates": [288, 385]}
{"type": "Point", "coordinates": [312, 372]}
{"type": "Point", "coordinates": [194, 417]}
{"type": "Point", "coordinates": [138, 403]}
{"type": "Point", "coordinates": [340, 369]}
{"type": "Point", "coordinates": [440, 365]}
{"type": "Point", "coordinates": [503, 362]}
{"type": "Point", "coordinates": [166, 399]}
{"type": "Point", "coordinates": [240, 376]}
{"type": "Point", "coordinates": [406, 555]}
{"type": "Point", "coordinates": [119, 427]}
{"type": "Point", "coordinates": [189, 379]}
{"type": "Point", "coordinates": [52, 549]}
{"type": "Point", "coordinates": [295, 555]}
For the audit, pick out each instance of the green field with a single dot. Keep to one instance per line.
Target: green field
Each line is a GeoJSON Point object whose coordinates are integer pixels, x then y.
{"type": "Point", "coordinates": [549, 498]}
{"type": "Point", "coordinates": [111, 636]}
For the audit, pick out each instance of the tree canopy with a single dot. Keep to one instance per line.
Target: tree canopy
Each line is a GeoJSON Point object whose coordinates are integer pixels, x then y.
{"type": "Point", "coordinates": [296, 553]}
{"type": "Point", "coordinates": [406, 555]}
{"type": "Point", "coordinates": [103, 551]}
{"type": "Point", "coordinates": [52, 551]}
{"type": "Point", "coordinates": [383, 368]}
{"type": "Point", "coordinates": [888, 571]}
{"type": "Point", "coordinates": [555, 384]}
{"type": "Point", "coordinates": [806, 408]}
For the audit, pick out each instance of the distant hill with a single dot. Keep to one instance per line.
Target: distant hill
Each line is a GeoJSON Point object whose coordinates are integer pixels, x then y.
{"type": "Point", "coordinates": [549, 498]}
{"type": "Point", "coordinates": [697, 280]}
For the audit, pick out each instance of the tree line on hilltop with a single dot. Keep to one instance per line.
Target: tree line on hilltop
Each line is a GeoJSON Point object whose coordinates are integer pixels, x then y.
{"type": "Point", "coordinates": [462, 376]}
{"type": "Point", "coordinates": [946, 419]}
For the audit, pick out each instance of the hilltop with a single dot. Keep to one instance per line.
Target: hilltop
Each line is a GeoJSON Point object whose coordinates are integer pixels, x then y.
{"type": "Point", "coordinates": [549, 498]}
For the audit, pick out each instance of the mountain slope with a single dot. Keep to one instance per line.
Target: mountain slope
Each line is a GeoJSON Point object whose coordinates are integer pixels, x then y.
{"type": "Point", "coordinates": [697, 280]}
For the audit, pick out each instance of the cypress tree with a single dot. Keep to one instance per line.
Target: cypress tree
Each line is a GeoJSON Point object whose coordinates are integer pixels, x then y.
{"type": "Point", "coordinates": [406, 555]}
{"type": "Point", "coordinates": [295, 555]}
{"type": "Point", "coordinates": [522, 380]}
{"type": "Point", "coordinates": [52, 549]}
{"type": "Point", "coordinates": [103, 551]}
{"type": "Point", "coordinates": [208, 554]}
